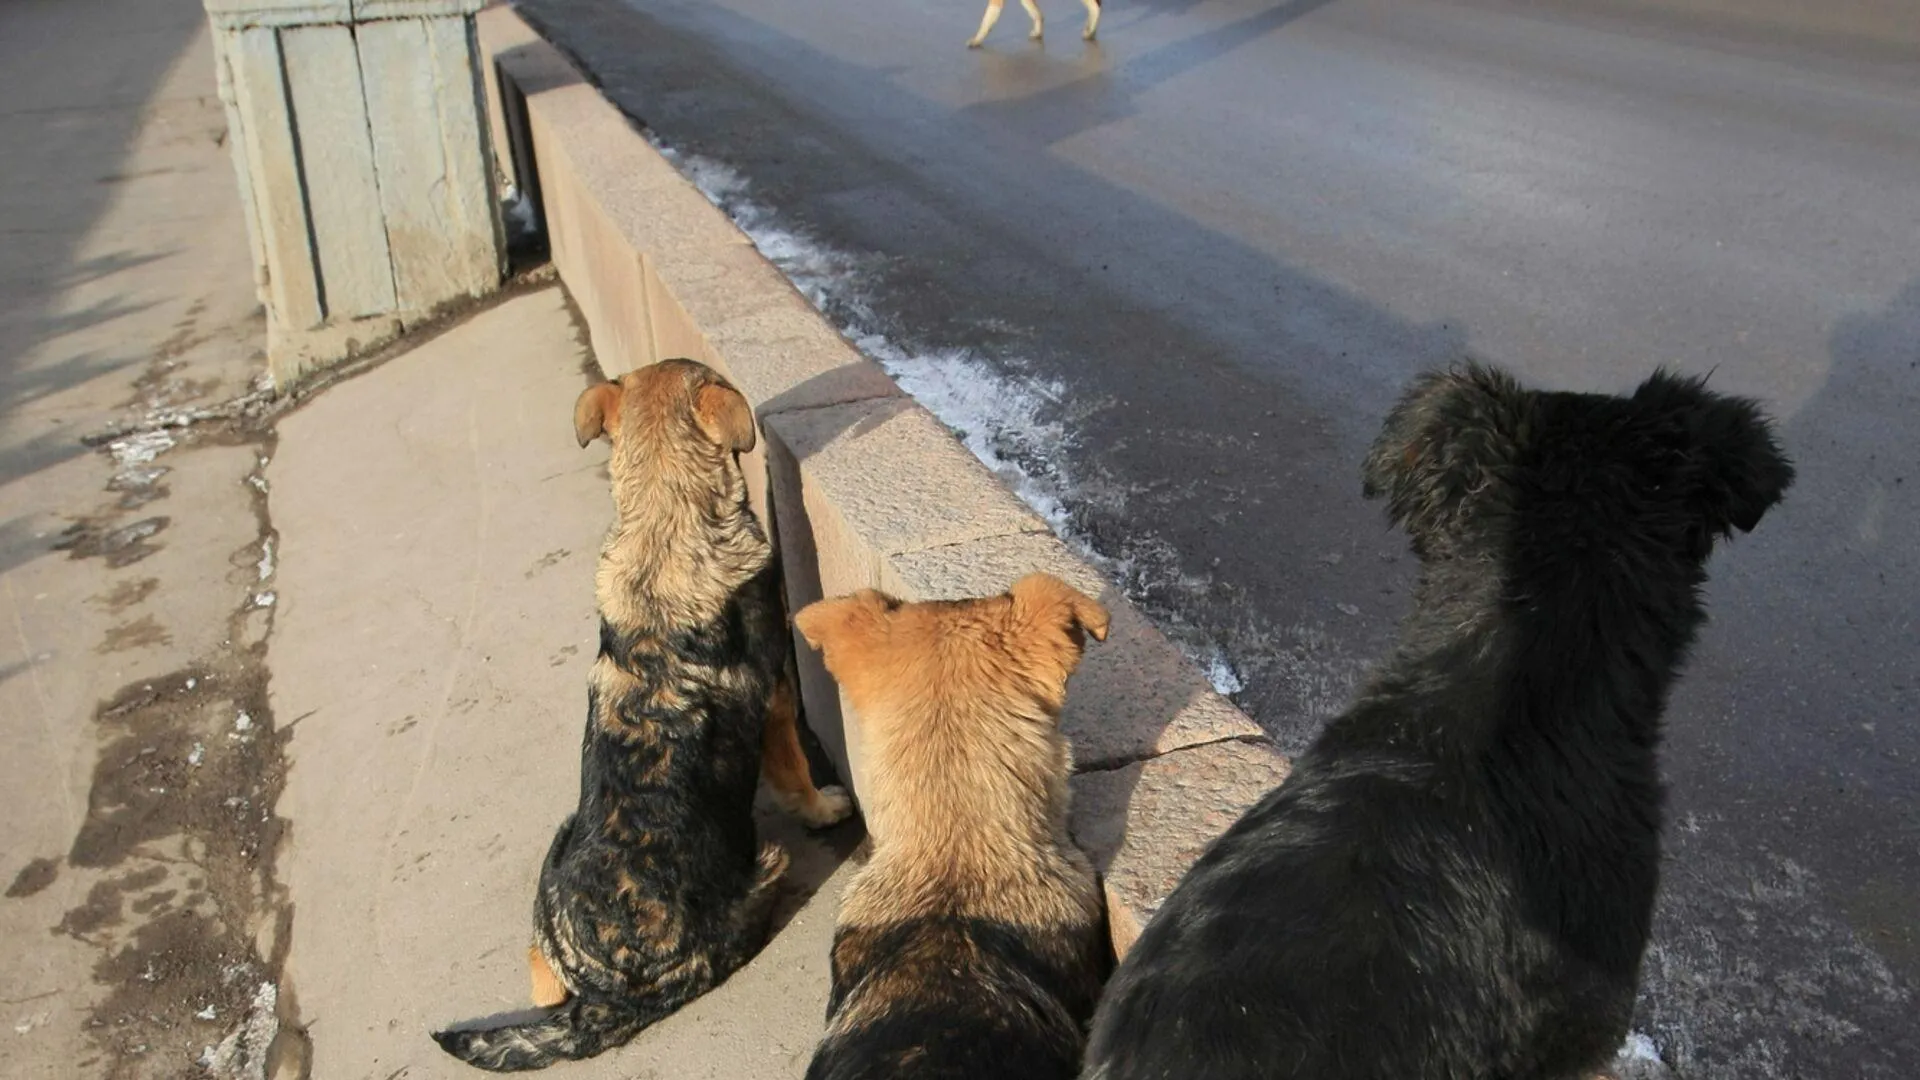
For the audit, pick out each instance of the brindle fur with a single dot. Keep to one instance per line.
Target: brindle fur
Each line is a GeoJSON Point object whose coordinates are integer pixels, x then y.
{"type": "Point", "coordinates": [974, 942]}
{"type": "Point", "coordinates": [655, 889]}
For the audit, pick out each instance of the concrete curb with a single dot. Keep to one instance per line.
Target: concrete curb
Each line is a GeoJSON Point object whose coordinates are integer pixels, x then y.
{"type": "Point", "coordinates": [864, 487]}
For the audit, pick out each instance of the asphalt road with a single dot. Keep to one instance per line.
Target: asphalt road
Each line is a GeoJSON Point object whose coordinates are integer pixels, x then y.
{"type": "Point", "coordinates": [1233, 229]}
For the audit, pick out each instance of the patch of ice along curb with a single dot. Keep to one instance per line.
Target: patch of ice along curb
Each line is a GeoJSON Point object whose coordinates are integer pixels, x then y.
{"type": "Point", "coordinates": [1638, 1059]}
{"type": "Point", "coordinates": [1220, 672]}
{"type": "Point", "coordinates": [242, 1055]}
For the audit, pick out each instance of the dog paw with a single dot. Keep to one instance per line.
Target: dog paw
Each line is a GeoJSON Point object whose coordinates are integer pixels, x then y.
{"type": "Point", "coordinates": [975, 43]}
{"type": "Point", "coordinates": [831, 807]}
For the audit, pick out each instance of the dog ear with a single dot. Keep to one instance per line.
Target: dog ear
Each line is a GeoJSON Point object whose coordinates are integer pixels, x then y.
{"type": "Point", "coordinates": [831, 625]}
{"type": "Point", "coordinates": [1729, 458]}
{"type": "Point", "coordinates": [1447, 439]}
{"type": "Point", "coordinates": [725, 417]}
{"type": "Point", "coordinates": [1043, 598]}
{"type": "Point", "coordinates": [596, 412]}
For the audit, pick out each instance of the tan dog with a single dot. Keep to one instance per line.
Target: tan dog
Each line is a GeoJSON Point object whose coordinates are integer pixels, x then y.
{"type": "Point", "coordinates": [1039, 24]}
{"type": "Point", "coordinates": [974, 942]}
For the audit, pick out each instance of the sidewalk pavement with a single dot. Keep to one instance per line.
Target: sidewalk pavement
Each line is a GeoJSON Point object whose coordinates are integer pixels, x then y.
{"type": "Point", "coordinates": [291, 708]}
{"type": "Point", "coordinates": [439, 533]}
{"type": "Point", "coordinates": [125, 290]}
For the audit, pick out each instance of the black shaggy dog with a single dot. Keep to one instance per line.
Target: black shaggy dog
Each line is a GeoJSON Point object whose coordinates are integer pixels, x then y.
{"type": "Point", "coordinates": [655, 890]}
{"type": "Point", "coordinates": [1457, 879]}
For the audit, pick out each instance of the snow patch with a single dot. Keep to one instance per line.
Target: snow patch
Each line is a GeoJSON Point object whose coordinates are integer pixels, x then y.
{"type": "Point", "coordinates": [517, 208]}
{"type": "Point", "coordinates": [1220, 672]}
{"type": "Point", "coordinates": [1638, 1059]}
{"type": "Point", "coordinates": [265, 565]}
{"type": "Point", "coordinates": [1639, 1048]}
{"type": "Point", "coordinates": [242, 1055]}
{"type": "Point", "coordinates": [1719, 1017]}
{"type": "Point", "coordinates": [28, 1023]}
{"type": "Point", "coordinates": [135, 478]}
{"type": "Point", "coordinates": [999, 420]}
{"type": "Point", "coordinates": [139, 449]}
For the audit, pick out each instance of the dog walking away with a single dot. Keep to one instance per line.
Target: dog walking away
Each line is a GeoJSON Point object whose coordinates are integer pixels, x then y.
{"type": "Point", "coordinates": [974, 941]}
{"type": "Point", "coordinates": [992, 16]}
{"type": "Point", "coordinates": [655, 890]}
{"type": "Point", "coordinates": [1457, 879]}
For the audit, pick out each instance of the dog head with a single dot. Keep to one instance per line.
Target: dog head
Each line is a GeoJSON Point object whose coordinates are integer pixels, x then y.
{"type": "Point", "coordinates": [979, 660]}
{"type": "Point", "coordinates": [676, 423]}
{"type": "Point", "coordinates": [1468, 453]}
{"type": "Point", "coordinates": [956, 704]}
{"type": "Point", "coordinates": [673, 398]}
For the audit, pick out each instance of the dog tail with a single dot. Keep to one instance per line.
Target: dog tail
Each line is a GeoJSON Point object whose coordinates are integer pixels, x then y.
{"type": "Point", "coordinates": [578, 1029]}
{"type": "Point", "coordinates": [589, 1024]}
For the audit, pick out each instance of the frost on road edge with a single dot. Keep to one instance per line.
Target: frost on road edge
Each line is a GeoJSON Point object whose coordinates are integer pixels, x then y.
{"type": "Point", "coordinates": [1004, 422]}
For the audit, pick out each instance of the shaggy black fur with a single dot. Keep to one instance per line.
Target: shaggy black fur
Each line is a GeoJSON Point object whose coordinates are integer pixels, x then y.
{"type": "Point", "coordinates": [1457, 880]}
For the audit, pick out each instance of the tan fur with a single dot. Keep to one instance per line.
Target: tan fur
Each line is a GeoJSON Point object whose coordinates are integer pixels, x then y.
{"type": "Point", "coordinates": [725, 416]}
{"type": "Point", "coordinates": [687, 538]}
{"type": "Point", "coordinates": [783, 763]}
{"type": "Point", "coordinates": [674, 528]}
{"type": "Point", "coordinates": [596, 412]}
{"type": "Point", "coordinates": [548, 990]}
{"type": "Point", "coordinates": [957, 706]}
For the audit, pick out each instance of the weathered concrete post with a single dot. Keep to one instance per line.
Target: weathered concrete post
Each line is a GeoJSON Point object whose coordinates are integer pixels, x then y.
{"type": "Point", "coordinates": [360, 136]}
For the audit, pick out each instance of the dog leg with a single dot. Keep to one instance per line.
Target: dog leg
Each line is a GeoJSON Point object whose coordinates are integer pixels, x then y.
{"type": "Point", "coordinates": [986, 22]}
{"type": "Point", "coordinates": [784, 765]}
{"type": "Point", "coordinates": [1039, 24]}
{"type": "Point", "coordinates": [548, 990]}
{"type": "Point", "coordinates": [1093, 19]}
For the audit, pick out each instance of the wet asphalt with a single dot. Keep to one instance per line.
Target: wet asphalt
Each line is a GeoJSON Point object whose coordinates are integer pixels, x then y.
{"type": "Point", "coordinates": [1231, 230]}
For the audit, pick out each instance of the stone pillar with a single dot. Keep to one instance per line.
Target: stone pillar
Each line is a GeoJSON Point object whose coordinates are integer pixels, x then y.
{"type": "Point", "coordinates": [359, 133]}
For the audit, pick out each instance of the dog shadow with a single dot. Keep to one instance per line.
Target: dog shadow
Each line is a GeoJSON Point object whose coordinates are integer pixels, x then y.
{"type": "Point", "coordinates": [510, 1018]}
{"type": "Point", "coordinates": [1108, 94]}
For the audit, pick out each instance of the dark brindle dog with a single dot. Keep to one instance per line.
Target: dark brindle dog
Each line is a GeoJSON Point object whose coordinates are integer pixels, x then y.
{"type": "Point", "coordinates": [1457, 879]}
{"type": "Point", "coordinates": [655, 889]}
{"type": "Point", "coordinates": [973, 943]}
